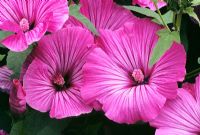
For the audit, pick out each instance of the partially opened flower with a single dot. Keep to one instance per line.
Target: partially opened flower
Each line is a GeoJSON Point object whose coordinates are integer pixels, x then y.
{"type": "Point", "coordinates": [29, 20]}
{"type": "Point", "coordinates": [54, 78]}
{"type": "Point", "coordinates": [180, 116]}
{"type": "Point", "coordinates": [149, 3]}
{"type": "Point", "coordinates": [104, 14]}
{"type": "Point", "coordinates": [5, 79]}
{"type": "Point", "coordinates": [17, 98]}
{"type": "Point", "coordinates": [118, 74]}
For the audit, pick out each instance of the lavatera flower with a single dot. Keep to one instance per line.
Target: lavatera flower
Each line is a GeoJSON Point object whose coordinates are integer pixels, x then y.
{"type": "Point", "coordinates": [118, 75]}
{"type": "Point", "coordinates": [181, 116]}
{"type": "Point", "coordinates": [29, 20]}
{"type": "Point", "coordinates": [53, 78]}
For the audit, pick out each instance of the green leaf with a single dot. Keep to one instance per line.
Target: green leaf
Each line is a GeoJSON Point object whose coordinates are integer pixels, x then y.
{"type": "Point", "coordinates": [166, 38]}
{"type": "Point", "coordinates": [74, 11]}
{"type": "Point", "coordinates": [198, 60]}
{"type": "Point", "coordinates": [17, 128]}
{"type": "Point", "coordinates": [37, 123]}
{"type": "Point", "coordinates": [195, 2]}
{"type": "Point", "coordinates": [167, 17]}
{"type": "Point", "coordinates": [15, 60]}
{"type": "Point", "coordinates": [191, 13]}
{"type": "Point", "coordinates": [143, 11]}
{"type": "Point", "coordinates": [4, 34]}
{"type": "Point", "coordinates": [1, 57]}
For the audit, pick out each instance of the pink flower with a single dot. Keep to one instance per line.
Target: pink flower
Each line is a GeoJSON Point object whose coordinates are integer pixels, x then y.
{"type": "Point", "coordinates": [118, 75]}
{"type": "Point", "coordinates": [149, 3]}
{"type": "Point", "coordinates": [180, 116]}
{"type": "Point", "coordinates": [54, 76]}
{"type": "Point", "coordinates": [3, 132]}
{"type": "Point", "coordinates": [104, 14]}
{"type": "Point", "coordinates": [17, 98]}
{"type": "Point", "coordinates": [29, 20]}
{"type": "Point", "coordinates": [189, 87]}
{"type": "Point", "coordinates": [5, 79]}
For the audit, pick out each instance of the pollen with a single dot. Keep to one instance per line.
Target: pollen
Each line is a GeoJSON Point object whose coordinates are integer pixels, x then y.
{"type": "Point", "coordinates": [24, 24]}
{"type": "Point", "coordinates": [59, 80]}
{"type": "Point", "coordinates": [138, 75]}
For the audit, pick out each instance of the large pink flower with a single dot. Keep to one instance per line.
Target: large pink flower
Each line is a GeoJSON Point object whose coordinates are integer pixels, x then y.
{"type": "Point", "coordinates": [29, 20]}
{"type": "Point", "coordinates": [5, 79]}
{"type": "Point", "coordinates": [104, 14]}
{"type": "Point", "coordinates": [149, 3]}
{"type": "Point", "coordinates": [180, 116]}
{"type": "Point", "coordinates": [118, 74]}
{"type": "Point", "coordinates": [54, 76]}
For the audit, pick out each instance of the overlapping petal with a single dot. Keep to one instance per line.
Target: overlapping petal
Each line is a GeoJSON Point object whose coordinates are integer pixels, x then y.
{"type": "Point", "coordinates": [108, 73]}
{"type": "Point", "coordinates": [61, 53]}
{"type": "Point", "coordinates": [104, 14]}
{"type": "Point", "coordinates": [39, 16]}
{"type": "Point", "coordinates": [180, 115]}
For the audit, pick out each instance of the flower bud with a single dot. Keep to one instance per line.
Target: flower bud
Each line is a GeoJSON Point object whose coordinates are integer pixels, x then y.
{"type": "Point", "coordinates": [17, 98]}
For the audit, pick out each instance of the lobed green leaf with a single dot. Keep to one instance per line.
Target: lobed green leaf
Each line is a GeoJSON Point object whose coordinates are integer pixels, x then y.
{"type": "Point", "coordinates": [166, 38]}
{"type": "Point", "coordinates": [15, 60]}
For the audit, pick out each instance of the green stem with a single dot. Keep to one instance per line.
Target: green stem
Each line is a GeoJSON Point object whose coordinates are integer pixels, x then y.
{"type": "Point", "coordinates": [69, 2]}
{"type": "Point", "coordinates": [174, 20]}
{"type": "Point", "coordinates": [193, 73]}
{"type": "Point", "coordinates": [159, 13]}
{"type": "Point", "coordinates": [178, 22]}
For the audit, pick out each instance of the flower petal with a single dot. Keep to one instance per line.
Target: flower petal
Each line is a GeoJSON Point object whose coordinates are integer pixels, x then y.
{"type": "Point", "coordinates": [68, 103]}
{"type": "Point", "coordinates": [197, 89]}
{"type": "Point", "coordinates": [15, 42]}
{"type": "Point", "coordinates": [170, 68]}
{"type": "Point", "coordinates": [132, 45]}
{"type": "Point", "coordinates": [171, 131]}
{"type": "Point", "coordinates": [104, 14]}
{"type": "Point", "coordinates": [5, 79]}
{"type": "Point", "coordinates": [181, 113]}
{"type": "Point", "coordinates": [37, 85]}
{"type": "Point", "coordinates": [37, 33]}
{"type": "Point", "coordinates": [58, 9]}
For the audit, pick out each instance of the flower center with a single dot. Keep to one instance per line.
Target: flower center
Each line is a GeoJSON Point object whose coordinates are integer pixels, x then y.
{"type": "Point", "coordinates": [62, 82]}
{"type": "Point", "coordinates": [24, 24]}
{"type": "Point", "coordinates": [59, 80]}
{"type": "Point", "coordinates": [138, 76]}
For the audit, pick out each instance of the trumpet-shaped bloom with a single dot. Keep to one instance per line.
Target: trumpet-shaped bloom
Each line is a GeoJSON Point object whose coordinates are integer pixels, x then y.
{"type": "Point", "coordinates": [17, 98]}
{"type": "Point", "coordinates": [119, 77]}
{"type": "Point", "coordinates": [29, 20]}
{"type": "Point", "coordinates": [104, 14]}
{"type": "Point", "coordinates": [54, 76]}
{"type": "Point", "coordinates": [5, 79]}
{"type": "Point", "coordinates": [180, 116]}
{"type": "Point", "coordinates": [149, 3]}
